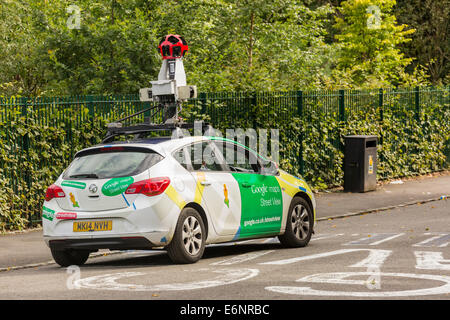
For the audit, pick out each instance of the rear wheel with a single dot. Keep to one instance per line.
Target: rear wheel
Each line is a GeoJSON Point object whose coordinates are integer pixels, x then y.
{"type": "Point", "coordinates": [70, 257]}
{"type": "Point", "coordinates": [299, 224]}
{"type": "Point", "coordinates": [188, 243]}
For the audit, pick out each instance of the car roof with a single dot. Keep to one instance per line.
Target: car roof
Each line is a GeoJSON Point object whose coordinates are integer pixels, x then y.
{"type": "Point", "coordinates": [166, 145]}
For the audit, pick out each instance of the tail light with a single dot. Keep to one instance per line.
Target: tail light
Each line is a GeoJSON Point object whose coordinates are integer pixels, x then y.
{"type": "Point", "coordinates": [54, 191]}
{"type": "Point", "coordinates": [150, 187]}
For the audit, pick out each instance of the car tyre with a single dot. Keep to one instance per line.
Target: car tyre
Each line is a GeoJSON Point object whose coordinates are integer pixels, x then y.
{"type": "Point", "coordinates": [70, 257]}
{"type": "Point", "coordinates": [299, 224]}
{"type": "Point", "coordinates": [188, 243]}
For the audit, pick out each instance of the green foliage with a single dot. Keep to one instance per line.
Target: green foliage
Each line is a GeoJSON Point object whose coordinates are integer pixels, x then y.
{"type": "Point", "coordinates": [430, 43]}
{"type": "Point", "coordinates": [34, 155]}
{"type": "Point", "coordinates": [40, 136]}
{"type": "Point", "coordinates": [234, 45]}
{"type": "Point", "coordinates": [369, 40]}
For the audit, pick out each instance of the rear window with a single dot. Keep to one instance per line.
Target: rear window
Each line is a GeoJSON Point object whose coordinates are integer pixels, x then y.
{"type": "Point", "coordinates": [112, 162]}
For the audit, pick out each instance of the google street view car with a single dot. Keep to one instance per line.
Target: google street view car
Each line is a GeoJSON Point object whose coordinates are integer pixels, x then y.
{"type": "Point", "coordinates": [179, 194]}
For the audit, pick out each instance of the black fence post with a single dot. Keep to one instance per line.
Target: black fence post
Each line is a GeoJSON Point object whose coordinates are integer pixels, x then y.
{"type": "Point", "coordinates": [26, 154]}
{"type": "Point", "coordinates": [381, 107]}
{"type": "Point", "coordinates": [341, 115]}
{"type": "Point", "coordinates": [300, 115]}
{"type": "Point", "coordinates": [417, 102]}
{"type": "Point", "coordinates": [254, 102]}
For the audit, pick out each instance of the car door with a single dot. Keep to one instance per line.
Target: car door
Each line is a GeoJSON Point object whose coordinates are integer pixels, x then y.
{"type": "Point", "coordinates": [261, 196]}
{"type": "Point", "coordinates": [217, 190]}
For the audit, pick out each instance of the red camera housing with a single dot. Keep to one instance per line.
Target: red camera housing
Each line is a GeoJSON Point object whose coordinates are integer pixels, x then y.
{"type": "Point", "coordinates": [172, 46]}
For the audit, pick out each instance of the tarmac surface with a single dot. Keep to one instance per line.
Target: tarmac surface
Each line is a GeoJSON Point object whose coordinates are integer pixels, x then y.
{"type": "Point", "coordinates": [401, 253]}
{"type": "Point", "coordinates": [28, 248]}
{"type": "Point", "coordinates": [397, 253]}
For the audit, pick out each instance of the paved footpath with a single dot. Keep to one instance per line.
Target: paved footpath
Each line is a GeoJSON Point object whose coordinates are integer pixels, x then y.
{"type": "Point", "coordinates": [29, 248]}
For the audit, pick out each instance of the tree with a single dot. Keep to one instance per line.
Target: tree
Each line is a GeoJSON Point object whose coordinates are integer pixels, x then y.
{"type": "Point", "coordinates": [251, 45]}
{"type": "Point", "coordinates": [430, 45]}
{"type": "Point", "coordinates": [369, 40]}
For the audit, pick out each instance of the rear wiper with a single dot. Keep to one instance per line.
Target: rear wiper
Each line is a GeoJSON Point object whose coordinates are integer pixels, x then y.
{"type": "Point", "coordinates": [84, 175]}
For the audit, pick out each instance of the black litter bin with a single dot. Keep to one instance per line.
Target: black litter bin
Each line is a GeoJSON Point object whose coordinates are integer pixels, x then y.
{"type": "Point", "coordinates": [360, 163]}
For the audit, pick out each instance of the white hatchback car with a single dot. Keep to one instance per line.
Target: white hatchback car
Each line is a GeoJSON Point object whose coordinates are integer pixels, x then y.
{"type": "Point", "coordinates": [179, 194]}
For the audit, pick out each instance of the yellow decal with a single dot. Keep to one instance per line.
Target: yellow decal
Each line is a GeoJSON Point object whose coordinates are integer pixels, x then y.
{"type": "Point", "coordinates": [200, 187]}
{"type": "Point", "coordinates": [72, 199]}
{"type": "Point", "coordinates": [286, 187]}
{"type": "Point", "coordinates": [175, 197]}
{"type": "Point", "coordinates": [225, 193]}
{"type": "Point", "coordinates": [294, 181]}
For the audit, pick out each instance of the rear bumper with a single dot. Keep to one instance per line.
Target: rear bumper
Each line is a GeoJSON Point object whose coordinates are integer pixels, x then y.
{"type": "Point", "coordinates": [114, 243]}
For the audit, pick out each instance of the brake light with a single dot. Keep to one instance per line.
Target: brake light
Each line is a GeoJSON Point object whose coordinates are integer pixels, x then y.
{"type": "Point", "coordinates": [150, 187]}
{"type": "Point", "coordinates": [54, 191]}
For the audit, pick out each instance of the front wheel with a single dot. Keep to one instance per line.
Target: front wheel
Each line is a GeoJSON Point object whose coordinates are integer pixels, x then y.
{"type": "Point", "coordinates": [70, 257]}
{"type": "Point", "coordinates": [188, 243]}
{"type": "Point", "coordinates": [299, 224]}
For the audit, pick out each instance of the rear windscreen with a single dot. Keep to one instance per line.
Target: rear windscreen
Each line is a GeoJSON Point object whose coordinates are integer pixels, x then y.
{"type": "Point", "coordinates": [115, 162]}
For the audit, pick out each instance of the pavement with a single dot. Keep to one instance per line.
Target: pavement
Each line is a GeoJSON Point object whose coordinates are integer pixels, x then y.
{"type": "Point", "coordinates": [18, 250]}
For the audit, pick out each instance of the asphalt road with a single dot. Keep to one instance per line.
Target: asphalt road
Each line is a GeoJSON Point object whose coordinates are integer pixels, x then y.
{"type": "Point", "coordinates": [402, 253]}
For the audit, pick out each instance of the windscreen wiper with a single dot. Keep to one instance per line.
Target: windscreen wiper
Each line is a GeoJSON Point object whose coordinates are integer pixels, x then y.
{"type": "Point", "coordinates": [84, 175]}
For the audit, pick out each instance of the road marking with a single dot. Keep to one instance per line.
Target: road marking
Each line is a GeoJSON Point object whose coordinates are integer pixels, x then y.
{"type": "Point", "coordinates": [428, 260]}
{"type": "Point", "coordinates": [339, 278]}
{"type": "Point", "coordinates": [271, 240]}
{"type": "Point", "coordinates": [440, 240]}
{"type": "Point", "coordinates": [326, 236]}
{"type": "Point", "coordinates": [108, 281]}
{"type": "Point", "coordinates": [375, 259]}
{"type": "Point", "coordinates": [375, 239]}
{"type": "Point", "coordinates": [241, 258]}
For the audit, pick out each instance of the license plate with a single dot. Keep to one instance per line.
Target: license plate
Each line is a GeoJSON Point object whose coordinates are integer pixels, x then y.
{"type": "Point", "coordinates": [87, 226]}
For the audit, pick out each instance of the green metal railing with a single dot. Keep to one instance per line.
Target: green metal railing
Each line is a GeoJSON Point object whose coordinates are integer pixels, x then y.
{"type": "Point", "coordinates": [311, 124]}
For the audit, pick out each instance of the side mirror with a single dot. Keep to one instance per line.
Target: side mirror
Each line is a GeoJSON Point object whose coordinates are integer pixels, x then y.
{"type": "Point", "coordinates": [270, 168]}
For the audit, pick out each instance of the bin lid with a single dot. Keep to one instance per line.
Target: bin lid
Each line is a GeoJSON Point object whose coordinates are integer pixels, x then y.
{"type": "Point", "coordinates": [367, 137]}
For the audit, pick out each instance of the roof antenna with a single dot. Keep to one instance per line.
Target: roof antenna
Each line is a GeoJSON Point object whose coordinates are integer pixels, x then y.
{"type": "Point", "coordinates": [167, 94]}
{"type": "Point", "coordinates": [170, 90]}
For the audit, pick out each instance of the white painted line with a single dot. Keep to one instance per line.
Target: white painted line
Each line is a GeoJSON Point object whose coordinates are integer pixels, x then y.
{"type": "Point", "coordinates": [271, 240]}
{"type": "Point", "coordinates": [429, 260]}
{"type": "Point", "coordinates": [108, 281]}
{"type": "Point", "coordinates": [376, 257]}
{"type": "Point", "coordinates": [326, 236]}
{"type": "Point", "coordinates": [241, 258]}
{"type": "Point", "coordinates": [439, 240]}
{"type": "Point", "coordinates": [339, 278]}
{"type": "Point", "coordinates": [375, 239]}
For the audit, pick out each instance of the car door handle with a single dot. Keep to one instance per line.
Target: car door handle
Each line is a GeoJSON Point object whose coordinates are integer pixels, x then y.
{"type": "Point", "coordinates": [205, 183]}
{"type": "Point", "coordinates": [246, 184]}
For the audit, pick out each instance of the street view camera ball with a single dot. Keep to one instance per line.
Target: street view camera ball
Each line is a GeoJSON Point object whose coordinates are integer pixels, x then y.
{"type": "Point", "coordinates": [172, 46]}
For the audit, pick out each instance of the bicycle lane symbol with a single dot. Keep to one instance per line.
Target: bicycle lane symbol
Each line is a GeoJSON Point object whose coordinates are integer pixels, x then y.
{"type": "Point", "coordinates": [374, 261]}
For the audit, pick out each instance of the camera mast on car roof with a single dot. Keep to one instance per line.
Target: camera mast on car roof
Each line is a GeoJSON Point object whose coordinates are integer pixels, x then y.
{"type": "Point", "coordinates": [167, 94]}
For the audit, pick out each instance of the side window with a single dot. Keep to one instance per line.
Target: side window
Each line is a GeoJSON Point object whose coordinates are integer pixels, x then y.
{"type": "Point", "coordinates": [204, 158]}
{"type": "Point", "coordinates": [180, 156]}
{"type": "Point", "coordinates": [239, 159]}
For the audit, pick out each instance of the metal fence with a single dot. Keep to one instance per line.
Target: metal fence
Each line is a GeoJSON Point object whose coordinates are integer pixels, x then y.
{"type": "Point", "coordinates": [311, 124]}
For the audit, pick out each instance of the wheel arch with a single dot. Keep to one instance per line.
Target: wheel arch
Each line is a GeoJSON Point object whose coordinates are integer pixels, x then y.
{"type": "Point", "coordinates": [201, 211]}
{"type": "Point", "coordinates": [306, 197]}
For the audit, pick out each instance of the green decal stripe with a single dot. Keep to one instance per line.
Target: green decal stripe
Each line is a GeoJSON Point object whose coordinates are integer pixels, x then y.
{"type": "Point", "coordinates": [74, 184]}
{"type": "Point", "coordinates": [116, 186]}
{"type": "Point", "coordinates": [48, 213]}
{"type": "Point", "coordinates": [261, 204]}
